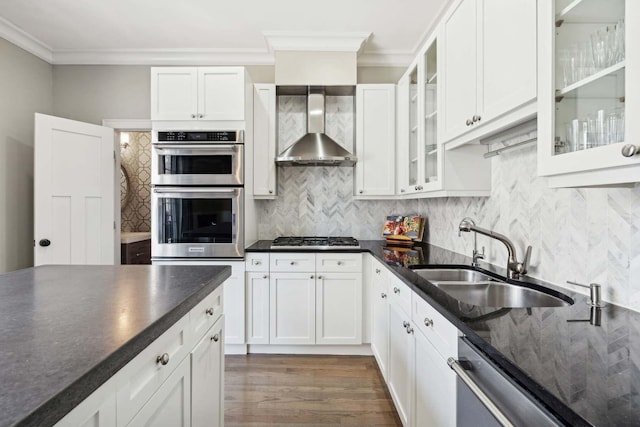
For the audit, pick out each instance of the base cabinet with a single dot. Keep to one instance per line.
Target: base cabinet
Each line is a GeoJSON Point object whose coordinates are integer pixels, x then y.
{"type": "Point", "coordinates": [401, 355]}
{"type": "Point", "coordinates": [293, 305]}
{"type": "Point", "coordinates": [257, 307]}
{"type": "Point", "coordinates": [207, 378]}
{"type": "Point", "coordinates": [170, 405]}
{"type": "Point", "coordinates": [339, 308]}
{"type": "Point", "coordinates": [380, 318]}
{"type": "Point", "coordinates": [435, 387]}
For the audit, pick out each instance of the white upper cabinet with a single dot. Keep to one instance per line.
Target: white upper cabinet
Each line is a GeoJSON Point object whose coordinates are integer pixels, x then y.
{"type": "Point", "coordinates": [264, 140]}
{"type": "Point", "coordinates": [489, 72]}
{"type": "Point", "coordinates": [588, 84]}
{"type": "Point", "coordinates": [197, 93]}
{"type": "Point", "coordinates": [375, 140]}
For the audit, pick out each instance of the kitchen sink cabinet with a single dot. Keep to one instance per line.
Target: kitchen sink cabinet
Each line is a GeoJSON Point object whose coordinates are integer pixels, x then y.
{"type": "Point", "coordinates": [581, 120]}
{"type": "Point", "coordinates": [264, 140]}
{"type": "Point", "coordinates": [197, 93]}
{"type": "Point", "coordinates": [489, 67]}
{"type": "Point", "coordinates": [375, 140]}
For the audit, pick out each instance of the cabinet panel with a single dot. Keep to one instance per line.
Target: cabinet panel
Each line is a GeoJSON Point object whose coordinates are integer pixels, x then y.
{"type": "Point", "coordinates": [380, 318]}
{"type": "Point", "coordinates": [221, 93]}
{"type": "Point", "coordinates": [264, 140]}
{"type": "Point", "coordinates": [438, 330]}
{"type": "Point", "coordinates": [258, 308]}
{"type": "Point", "coordinates": [292, 308]}
{"type": "Point", "coordinates": [174, 93]}
{"type": "Point", "coordinates": [401, 363]}
{"type": "Point", "coordinates": [207, 378]}
{"type": "Point", "coordinates": [338, 262]}
{"type": "Point", "coordinates": [141, 377]}
{"type": "Point", "coordinates": [375, 140]}
{"type": "Point", "coordinates": [460, 74]}
{"type": "Point", "coordinates": [234, 302]}
{"type": "Point", "coordinates": [292, 262]}
{"type": "Point", "coordinates": [339, 308]}
{"type": "Point", "coordinates": [435, 387]}
{"type": "Point", "coordinates": [507, 59]}
{"type": "Point", "coordinates": [206, 312]}
{"type": "Point", "coordinates": [97, 410]}
{"type": "Point", "coordinates": [171, 405]}
{"type": "Point", "coordinates": [257, 261]}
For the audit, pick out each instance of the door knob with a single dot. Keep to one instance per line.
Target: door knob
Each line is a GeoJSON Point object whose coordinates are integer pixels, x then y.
{"type": "Point", "coordinates": [44, 242]}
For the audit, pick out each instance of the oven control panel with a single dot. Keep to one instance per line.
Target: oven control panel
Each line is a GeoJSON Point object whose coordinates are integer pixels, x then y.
{"type": "Point", "coordinates": [200, 136]}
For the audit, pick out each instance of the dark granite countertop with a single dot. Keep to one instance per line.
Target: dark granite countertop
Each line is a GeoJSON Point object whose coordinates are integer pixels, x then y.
{"type": "Point", "coordinates": [588, 375]}
{"type": "Point", "coordinates": [65, 330]}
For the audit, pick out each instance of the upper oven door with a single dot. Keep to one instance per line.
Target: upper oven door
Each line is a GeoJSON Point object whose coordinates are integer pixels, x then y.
{"type": "Point", "coordinates": [197, 164]}
{"type": "Point", "coordinates": [197, 222]}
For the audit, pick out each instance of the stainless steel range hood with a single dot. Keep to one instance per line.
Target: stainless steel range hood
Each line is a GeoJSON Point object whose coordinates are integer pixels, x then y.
{"type": "Point", "coordinates": [315, 148]}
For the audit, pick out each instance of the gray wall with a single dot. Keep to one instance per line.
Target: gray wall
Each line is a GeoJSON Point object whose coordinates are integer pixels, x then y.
{"type": "Point", "coordinates": [25, 88]}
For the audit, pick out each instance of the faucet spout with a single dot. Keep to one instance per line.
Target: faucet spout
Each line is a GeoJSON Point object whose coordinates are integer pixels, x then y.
{"type": "Point", "coordinates": [514, 268]}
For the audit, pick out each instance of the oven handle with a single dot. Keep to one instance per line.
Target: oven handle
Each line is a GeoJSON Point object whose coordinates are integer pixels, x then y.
{"type": "Point", "coordinates": [481, 395]}
{"type": "Point", "coordinates": [200, 148]}
{"type": "Point", "coordinates": [195, 190]}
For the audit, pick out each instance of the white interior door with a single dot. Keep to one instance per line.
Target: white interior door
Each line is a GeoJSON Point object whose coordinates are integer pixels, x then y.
{"type": "Point", "coordinates": [74, 215]}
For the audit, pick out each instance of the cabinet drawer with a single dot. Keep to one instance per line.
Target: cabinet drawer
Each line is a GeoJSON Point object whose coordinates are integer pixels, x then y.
{"type": "Point", "coordinates": [257, 261]}
{"type": "Point", "coordinates": [141, 377]}
{"type": "Point", "coordinates": [438, 330]}
{"type": "Point", "coordinates": [338, 262]}
{"type": "Point", "coordinates": [136, 252]}
{"type": "Point", "coordinates": [205, 314]}
{"type": "Point", "coordinates": [292, 262]}
{"type": "Point", "coordinates": [400, 294]}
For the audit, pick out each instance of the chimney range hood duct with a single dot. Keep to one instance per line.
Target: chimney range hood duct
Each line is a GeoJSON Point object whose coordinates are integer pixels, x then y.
{"type": "Point", "coordinates": [315, 148]}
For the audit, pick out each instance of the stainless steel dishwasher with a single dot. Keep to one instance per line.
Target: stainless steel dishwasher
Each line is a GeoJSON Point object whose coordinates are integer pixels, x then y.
{"type": "Point", "coordinates": [486, 397]}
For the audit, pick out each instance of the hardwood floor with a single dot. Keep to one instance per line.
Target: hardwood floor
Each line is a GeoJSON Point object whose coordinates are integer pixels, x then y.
{"type": "Point", "coordinates": [292, 390]}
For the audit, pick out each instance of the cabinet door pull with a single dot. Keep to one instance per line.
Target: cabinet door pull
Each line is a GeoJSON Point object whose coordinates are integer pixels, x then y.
{"type": "Point", "coordinates": [383, 295]}
{"type": "Point", "coordinates": [428, 322]}
{"type": "Point", "coordinates": [396, 290]}
{"type": "Point", "coordinates": [409, 329]}
{"type": "Point", "coordinates": [377, 271]}
{"type": "Point", "coordinates": [292, 263]}
{"type": "Point", "coordinates": [200, 116]}
{"type": "Point", "coordinates": [265, 276]}
{"type": "Point", "coordinates": [630, 150]}
{"type": "Point", "coordinates": [209, 311]}
{"type": "Point", "coordinates": [215, 338]}
{"type": "Point", "coordinates": [320, 277]}
{"type": "Point", "coordinates": [311, 277]}
{"type": "Point", "coordinates": [405, 324]}
{"type": "Point", "coordinates": [339, 263]}
{"type": "Point", "coordinates": [193, 116]}
{"type": "Point", "coordinates": [163, 359]}
{"type": "Point", "coordinates": [469, 122]}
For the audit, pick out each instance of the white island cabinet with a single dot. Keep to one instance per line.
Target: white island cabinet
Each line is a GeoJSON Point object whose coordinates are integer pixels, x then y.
{"type": "Point", "coordinates": [178, 380]}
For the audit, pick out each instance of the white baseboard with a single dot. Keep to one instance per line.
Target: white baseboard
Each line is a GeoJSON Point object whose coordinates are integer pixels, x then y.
{"type": "Point", "coordinates": [334, 350]}
{"type": "Point", "coordinates": [235, 349]}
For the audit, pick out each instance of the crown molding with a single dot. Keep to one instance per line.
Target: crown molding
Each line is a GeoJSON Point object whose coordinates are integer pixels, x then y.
{"type": "Point", "coordinates": [433, 26]}
{"type": "Point", "coordinates": [163, 57]}
{"type": "Point", "coordinates": [316, 41]}
{"type": "Point", "coordinates": [25, 41]}
{"type": "Point", "coordinates": [386, 58]}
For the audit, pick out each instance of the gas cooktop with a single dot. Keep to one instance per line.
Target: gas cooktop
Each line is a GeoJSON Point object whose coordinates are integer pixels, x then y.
{"type": "Point", "coordinates": [315, 243]}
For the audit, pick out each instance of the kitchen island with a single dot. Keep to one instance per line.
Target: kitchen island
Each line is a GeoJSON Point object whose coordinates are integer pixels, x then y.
{"type": "Point", "coordinates": [67, 330]}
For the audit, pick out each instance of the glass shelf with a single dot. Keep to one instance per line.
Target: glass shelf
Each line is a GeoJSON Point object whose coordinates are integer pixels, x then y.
{"type": "Point", "coordinates": [591, 11]}
{"type": "Point", "coordinates": [619, 67]}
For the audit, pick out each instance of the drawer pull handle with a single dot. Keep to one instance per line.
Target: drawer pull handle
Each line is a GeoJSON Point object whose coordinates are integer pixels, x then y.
{"type": "Point", "coordinates": [377, 271]}
{"type": "Point", "coordinates": [257, 262]}
{"type": "Point", "coordinates": [311, 277]}
{"type": "Point", "coordinates": [405, 324]}
{"type": "Point", "coordinates": [409, 329]}
{"type": "Point", "coordinates": [396, 290]}
{"type": "Point", "coordinates": [320, 277]}
{"type": "Point", "coordinates": [265, 276]}
{"type": "Point", "coordinates": [215, 338]}
{"type": "Point", "coordinates": [209, 311]}
{"type": "Point", "coordinates": [140, 253]}
{"type": "Point", "coordinates": [292, 263]}
{"type": "Point", "coordinates": [428, 322]}
{"type": "Point", "coordinates": [163, 359]}
{"type": "Point", "coordinates": [383, 295]}
{"type": "Point", "coordinates": [339, 262]}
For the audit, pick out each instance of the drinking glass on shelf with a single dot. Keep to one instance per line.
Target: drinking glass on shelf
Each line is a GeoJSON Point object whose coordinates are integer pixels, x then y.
{"type": "Point", "coordinates": [612, 126]}
{"type": "Point", "coordinates": [564, 58]}
{"type": "Point", "coordinates": [586, 65]}
{"type": "Point", "coordinates": [599, 47]}
{"type": "Point", "coordinates": [601, 133]}
{"type": "Point", "coordinates": [618, 36]}
{"type": "Point", "coordinates": [576, 136]}
{"type": "Point", "coordinates": [620, 124]}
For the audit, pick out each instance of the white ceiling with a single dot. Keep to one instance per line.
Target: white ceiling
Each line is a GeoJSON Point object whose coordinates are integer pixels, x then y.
{"type": "Point", "coordinates": [70, 30]}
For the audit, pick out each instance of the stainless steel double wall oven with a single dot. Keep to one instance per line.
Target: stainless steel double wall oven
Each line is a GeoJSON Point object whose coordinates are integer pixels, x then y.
{"type": "Point", "coordinates": [198, 194]}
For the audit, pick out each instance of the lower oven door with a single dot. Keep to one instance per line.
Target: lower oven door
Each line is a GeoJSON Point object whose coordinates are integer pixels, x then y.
{"type": "Point", "coordinates": [197, 222]}
{"type": "Point", "coordinates": [197, 164]}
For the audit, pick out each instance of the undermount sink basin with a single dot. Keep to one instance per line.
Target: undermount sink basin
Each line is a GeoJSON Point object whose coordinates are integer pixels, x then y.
{"type": "Point", "coordinates": [475, 288]}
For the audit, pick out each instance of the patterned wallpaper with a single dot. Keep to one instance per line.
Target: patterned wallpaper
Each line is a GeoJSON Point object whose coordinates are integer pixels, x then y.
{"type": "Point", "coordinates": [585, 235]}
{"type": "Point", "coordinates": [136, 159]}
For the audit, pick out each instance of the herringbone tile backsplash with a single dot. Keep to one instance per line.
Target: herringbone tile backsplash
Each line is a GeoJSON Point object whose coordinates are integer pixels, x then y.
{"type": "Point", "coordinates": [584, 235]}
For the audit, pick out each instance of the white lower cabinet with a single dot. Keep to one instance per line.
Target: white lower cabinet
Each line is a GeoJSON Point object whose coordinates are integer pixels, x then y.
{"type": "Point", "coordinates": [234, 302]}
{"type": "Point", "coordinates": [339, 308]}
{"type": "Point", "coordinates": [380, 317]}
{"type": "Point", "coordinates": [401, 367]}
{"type": "Point", "coordinates": [257, 307]}
{"type": "Point", "coordinates": [435, 387]}
{"type": "Point", "coordinates": [207, 378]}
{"type": "Point", "coordinates": [98, 410]}
{"type": "Point", "coordinates": [292, 308]}
{"type": "Point", "coordinates": [170, 405]}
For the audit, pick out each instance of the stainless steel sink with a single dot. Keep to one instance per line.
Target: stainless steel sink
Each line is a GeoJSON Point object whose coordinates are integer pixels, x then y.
{"type": "Point", "coordinates": [475, 288]}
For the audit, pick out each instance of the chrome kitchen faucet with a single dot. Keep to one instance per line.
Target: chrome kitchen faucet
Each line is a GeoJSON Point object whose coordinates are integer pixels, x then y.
{"type": "Point", "coordinates": [514, 268]}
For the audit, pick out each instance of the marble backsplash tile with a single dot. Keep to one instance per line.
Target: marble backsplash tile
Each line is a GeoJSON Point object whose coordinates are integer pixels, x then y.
{"type": "Point", "coordinates": [585, 235]}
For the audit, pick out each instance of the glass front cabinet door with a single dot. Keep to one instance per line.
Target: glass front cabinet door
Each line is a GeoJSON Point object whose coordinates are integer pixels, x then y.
{"type": "Point", "coordinates": [588, 92]}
